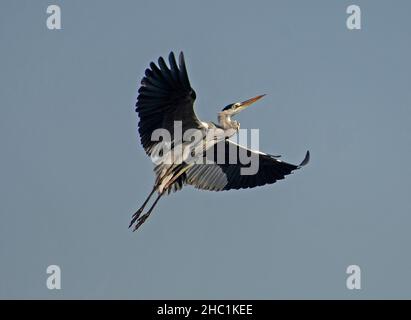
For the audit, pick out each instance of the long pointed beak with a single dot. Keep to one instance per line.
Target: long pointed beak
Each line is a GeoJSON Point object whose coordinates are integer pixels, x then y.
{"type": "Point", "coordinates": [249, 102]}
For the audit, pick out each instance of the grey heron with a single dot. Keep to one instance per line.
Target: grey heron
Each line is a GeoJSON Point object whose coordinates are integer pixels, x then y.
{"type": "Point", "coordinates": [166, 97]}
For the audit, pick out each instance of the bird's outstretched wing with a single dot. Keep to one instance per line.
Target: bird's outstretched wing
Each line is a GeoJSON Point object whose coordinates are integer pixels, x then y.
{"type": "Point", "coordinates": [225, 176]}
{"type": "Point", "coordinates": [165, 96]}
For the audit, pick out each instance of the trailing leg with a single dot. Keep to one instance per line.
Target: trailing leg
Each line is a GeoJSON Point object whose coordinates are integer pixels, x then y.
{"type": "Point", "coordinates": [144, 217]}
{"type": "Point", "coordinates": [139, 211]}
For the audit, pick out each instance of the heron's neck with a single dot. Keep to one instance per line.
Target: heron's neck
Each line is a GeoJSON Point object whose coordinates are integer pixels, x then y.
{"type": "Point", "coordinates": [224, 120]}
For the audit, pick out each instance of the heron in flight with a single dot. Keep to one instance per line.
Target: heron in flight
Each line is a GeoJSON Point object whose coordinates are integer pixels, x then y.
{"type": "Point", "coordinates": [165, 98]}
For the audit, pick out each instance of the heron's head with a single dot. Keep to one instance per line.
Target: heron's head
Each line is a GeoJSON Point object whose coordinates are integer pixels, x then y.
{"type": "Point", "coordinates": [235, 108]}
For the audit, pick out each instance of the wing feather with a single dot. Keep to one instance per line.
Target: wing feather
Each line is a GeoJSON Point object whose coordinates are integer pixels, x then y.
{"type": "Point", "coordinates": [227, 176]}
{"type": "Point", "coordinates": [165, 96]}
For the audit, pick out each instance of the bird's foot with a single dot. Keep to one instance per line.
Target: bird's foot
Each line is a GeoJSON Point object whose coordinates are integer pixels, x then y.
{"type": "Point", "coordinates": [141, 220]}
{"type": "Point", "coordinates": [136, 216]}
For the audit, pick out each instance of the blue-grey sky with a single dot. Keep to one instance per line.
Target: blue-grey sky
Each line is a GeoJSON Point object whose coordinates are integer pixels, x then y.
{"type": "Point", "coordinates": [72, 169]}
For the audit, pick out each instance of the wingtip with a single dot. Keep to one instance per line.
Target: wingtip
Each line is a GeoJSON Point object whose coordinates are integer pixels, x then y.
{"type": "Point", "coordinates": [181, 54]}
{"type": "Point", "coordinates": [172, 56]}
{"type": "Point", "coordinates": [181, 61]}
{"type": "Point", "coordinates": [306, 159]}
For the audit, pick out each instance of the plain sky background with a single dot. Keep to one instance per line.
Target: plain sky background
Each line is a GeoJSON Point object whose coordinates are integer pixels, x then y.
{"type": "Point", "coordinates": [72, 170]}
